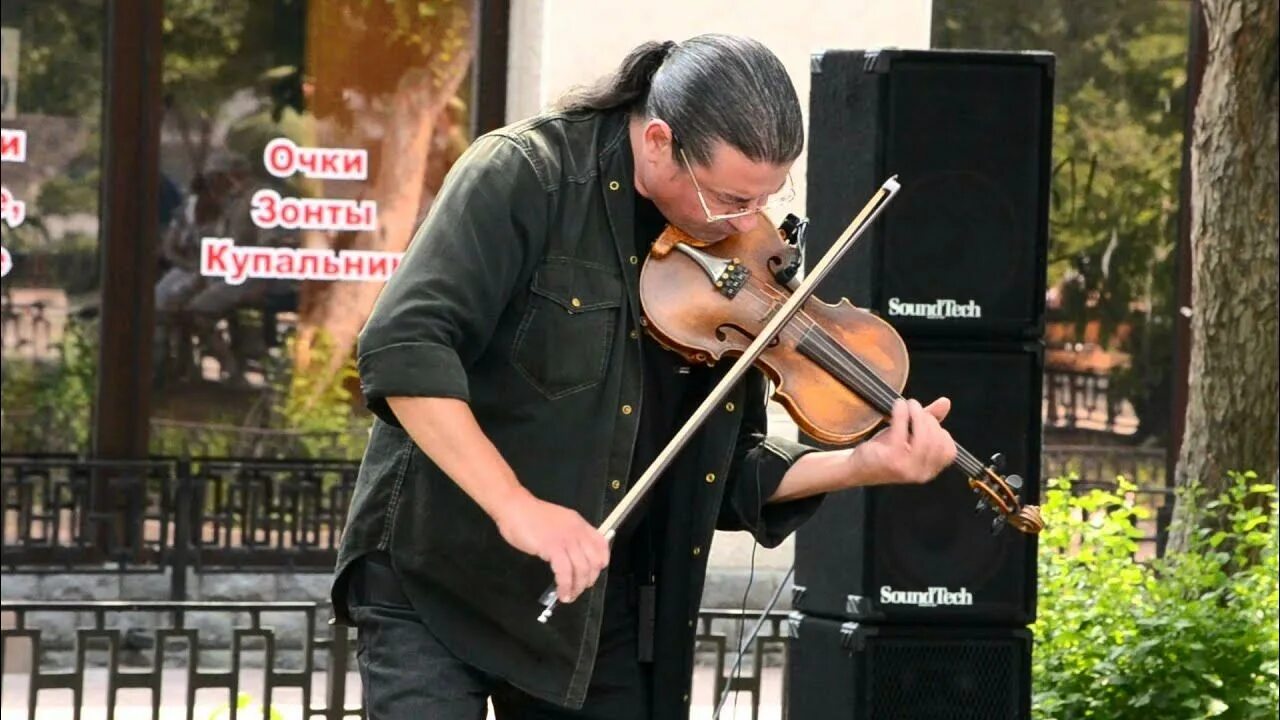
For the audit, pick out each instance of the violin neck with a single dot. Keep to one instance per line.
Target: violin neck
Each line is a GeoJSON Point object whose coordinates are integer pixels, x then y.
{"type": "Point", "coordinates": [822, 349]}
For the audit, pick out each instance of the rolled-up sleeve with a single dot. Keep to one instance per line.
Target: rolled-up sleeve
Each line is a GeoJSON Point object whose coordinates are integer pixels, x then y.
{"type": "Point", "coordinates": [760, 461]}
{"type": "Point", "coordinates": [438, 311]}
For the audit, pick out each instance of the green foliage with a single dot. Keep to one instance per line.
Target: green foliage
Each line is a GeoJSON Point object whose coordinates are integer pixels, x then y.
{"type": "Point", "coordinates": [215, 47]}
{"type": "Point", "coordinates": [60, 57]}
{"type": "Point", "coordinates": [1193, 635]}
{"type": "Point", "coordinates": [75, 192]}
{"type": "Point", "coordinates": [302, 415]}
{"type": "Point", "coordinates": [318, 405]}
{"type": "Point", "coordinates": [48, 404]}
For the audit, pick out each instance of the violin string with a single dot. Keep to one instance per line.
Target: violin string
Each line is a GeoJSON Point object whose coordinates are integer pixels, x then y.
{"type": "Point", "coordinates": [831, 352]}
{"type": "Point", "coordinates": [866, 382]}
{"type": "Point", "coordinates": [872, 387]}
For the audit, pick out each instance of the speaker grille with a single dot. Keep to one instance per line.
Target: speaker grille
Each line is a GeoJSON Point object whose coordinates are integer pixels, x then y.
{"type": "Point", "coordinates": [855, 671]}
{"type": "Point", "coordinates": [924, 679]}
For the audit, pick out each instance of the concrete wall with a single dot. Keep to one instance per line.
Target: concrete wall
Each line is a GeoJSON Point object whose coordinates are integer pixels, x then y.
{"type": "Point", "coordinates": [556, 44]}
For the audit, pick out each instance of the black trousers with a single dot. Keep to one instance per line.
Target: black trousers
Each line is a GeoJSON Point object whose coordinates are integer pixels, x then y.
{"type": "Point", "coordinates": [408, 674]}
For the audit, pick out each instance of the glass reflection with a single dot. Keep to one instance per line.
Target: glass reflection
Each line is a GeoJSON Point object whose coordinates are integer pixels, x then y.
{"type": "Point", "coordinates": [302, 144]}
{"type": "Point", "coordinates": [51, 91]}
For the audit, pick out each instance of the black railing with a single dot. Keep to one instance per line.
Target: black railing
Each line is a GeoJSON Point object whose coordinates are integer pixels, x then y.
{"type": "Point", "coordinates": [68, 514]}
{"type": "Point", "coordinates": [65, 514]}
{"type": "Point", "coordinates": [275, 515]}
{"type": "Point", "coordinates": [275, 654]}
{"type": "Point", "coordinates": [207, 656]}
{"type": "Point", "coordinates": [1102, 464]}
{"type": "Point", "coordinates": [1080, 400]}
{"type": "Point", "coordinates": [32, 330]}
{"type": "Point", "coordinates": [721, 633]}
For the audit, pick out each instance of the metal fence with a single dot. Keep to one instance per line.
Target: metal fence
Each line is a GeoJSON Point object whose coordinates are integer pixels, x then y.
{"type": "Point", "coordinates": [199, 655]}
{"type": "Point", "coordinates": [208, 657]}
{"type": "Point", "coordinates": [64, 513]}
{"type": "Point", "coordinates": [1100, 466]}
{"type": "Point", "coordinates": [1076, 400]}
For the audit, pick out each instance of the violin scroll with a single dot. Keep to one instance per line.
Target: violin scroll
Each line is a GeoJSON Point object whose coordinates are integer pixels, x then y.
{"type": "Point", "coordinates": [999, 494]}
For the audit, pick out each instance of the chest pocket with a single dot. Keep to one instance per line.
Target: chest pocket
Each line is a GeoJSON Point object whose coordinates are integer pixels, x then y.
{"type": "Point", "coordinates": [564, 339]}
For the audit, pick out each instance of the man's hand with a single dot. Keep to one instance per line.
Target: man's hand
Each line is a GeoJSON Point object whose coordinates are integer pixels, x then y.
{"type": "Point", "coordinates": [576, 550]}
{"type": "Point", "coordinates": [913, 449]}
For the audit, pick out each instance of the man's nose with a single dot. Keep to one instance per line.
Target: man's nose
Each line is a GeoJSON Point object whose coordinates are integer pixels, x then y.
{"type": "Point", "coordinates": [745, 223]}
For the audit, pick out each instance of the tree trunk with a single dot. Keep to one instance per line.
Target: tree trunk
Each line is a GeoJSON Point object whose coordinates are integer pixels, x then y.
{"type": "Point", "coordinates": [1231, 421]}
{"type": "Point", "coordinates": [412, 116]}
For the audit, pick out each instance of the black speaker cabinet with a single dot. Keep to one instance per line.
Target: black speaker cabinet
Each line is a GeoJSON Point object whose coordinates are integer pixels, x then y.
{"type": "Point", "coordinates": [839, 671]}
{"type": "Point", "coordinates": [919, 553]}
{"type": "Point", "coordinates": [962, 249]}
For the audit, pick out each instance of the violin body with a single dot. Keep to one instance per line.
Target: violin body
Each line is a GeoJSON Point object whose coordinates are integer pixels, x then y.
{"type": "Point", "coordinates": [686, 313]}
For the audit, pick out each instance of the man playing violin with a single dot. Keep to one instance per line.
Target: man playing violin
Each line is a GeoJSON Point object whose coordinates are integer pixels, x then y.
{"type": "Point", "coordinates": [517, 396]}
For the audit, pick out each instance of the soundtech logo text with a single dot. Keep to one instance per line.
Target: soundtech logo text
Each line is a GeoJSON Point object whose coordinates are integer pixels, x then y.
{"type": "Point", "coordinates": [933, 597]}
{"type": "Point", "coordinates": [937, 310]}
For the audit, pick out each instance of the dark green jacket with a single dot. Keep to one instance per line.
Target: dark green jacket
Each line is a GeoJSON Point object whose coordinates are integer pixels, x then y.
{"type": "Point", "coordinates": [519, 295]}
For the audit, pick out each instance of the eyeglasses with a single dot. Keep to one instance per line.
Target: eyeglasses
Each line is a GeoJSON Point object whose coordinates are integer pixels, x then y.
{"type": "Point", "coordinates": [782, 197]}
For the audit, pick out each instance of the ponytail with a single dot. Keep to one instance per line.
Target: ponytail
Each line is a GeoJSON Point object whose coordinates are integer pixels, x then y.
{"type": "Point", "coordinates": [708, 88]}
{"type": "Point", "coordinates": [627, 88]}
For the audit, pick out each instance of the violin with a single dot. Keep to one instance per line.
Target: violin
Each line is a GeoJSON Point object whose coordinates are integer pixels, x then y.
{"type": "Point", "coordinates": [837, 369]}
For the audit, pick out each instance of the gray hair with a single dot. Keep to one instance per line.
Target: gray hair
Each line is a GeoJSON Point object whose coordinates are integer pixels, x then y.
{"type": "Point", "coordinates": [709, 88]}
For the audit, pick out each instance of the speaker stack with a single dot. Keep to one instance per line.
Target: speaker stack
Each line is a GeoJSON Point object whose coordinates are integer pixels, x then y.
{"type": "Point", "coordinates": [906, 605]}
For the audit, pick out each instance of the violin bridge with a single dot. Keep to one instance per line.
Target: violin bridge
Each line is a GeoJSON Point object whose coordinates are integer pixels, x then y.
{"type": "Point", "coordinates": [728, 276]}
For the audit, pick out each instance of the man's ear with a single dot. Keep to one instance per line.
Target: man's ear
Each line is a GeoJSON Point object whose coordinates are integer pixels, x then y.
{"type": "Point", "coordinates": [657, 138]}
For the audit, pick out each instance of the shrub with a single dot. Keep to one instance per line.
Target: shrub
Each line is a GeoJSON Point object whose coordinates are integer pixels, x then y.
{"type": "Point", "coordinates": [1192, 635]}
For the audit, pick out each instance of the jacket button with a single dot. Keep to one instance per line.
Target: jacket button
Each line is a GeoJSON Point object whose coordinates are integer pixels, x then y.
{"type": "Point", "coordinates": [728, 407]}
{"type": "Point", "coordinates": [697, 550]}
{"type": "Point", "coordinates": [635, 260]}
{"type": "Point", "coordinates": [711, 477]}
{"type": "Point", "coordinates": [635, 334]}
{"type": "Point", "coordinates": [575, 302]}
{"type": "Point", "coordinates": [626, 409]}
{"type": "Point", "coordinates": [613, 185]}
{"type": "Point", "coordinates": [616, 484]}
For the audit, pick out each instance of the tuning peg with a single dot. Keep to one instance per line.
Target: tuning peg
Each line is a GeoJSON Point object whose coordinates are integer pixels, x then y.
{"type": "Point", "coordinates": [997, 462]}
{"type": "Point", "coordinates": [981, 506]}
{"type": "Point", "coordinates": [1014, 481]}
{"type": "Point", "coordinates": [997, 524]}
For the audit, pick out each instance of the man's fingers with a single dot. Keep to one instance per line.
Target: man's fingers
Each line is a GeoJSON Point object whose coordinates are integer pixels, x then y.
{"type": "Point", "coordinates": [918, 419]}
{"type": "Point", "coordinates": [595, 555]}
{"type": "Point", "coordinates": [583, 573]}
{"type": "Point", "coordinates": [563, 569]}
{"type": "Point", "coordinates": [939, 408]}
{"type": "Point", "coordinates": [896, 435]}
{"type": "Point", "coordinates": [602, 545]}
